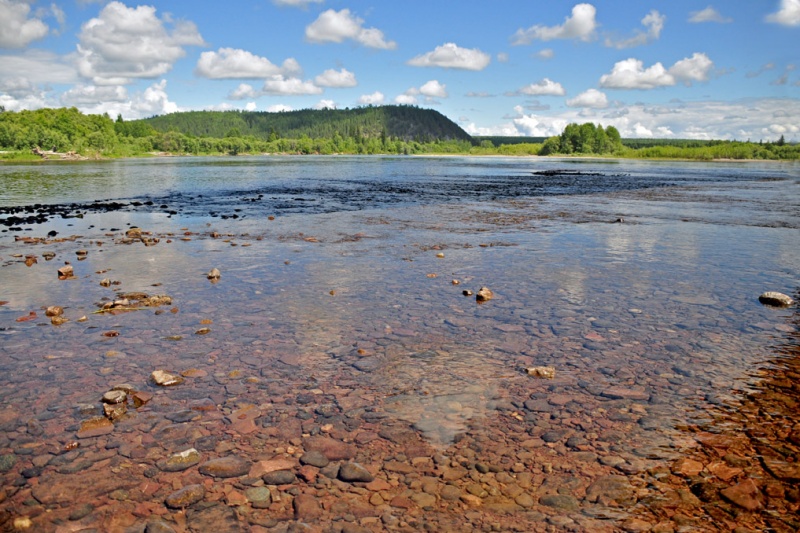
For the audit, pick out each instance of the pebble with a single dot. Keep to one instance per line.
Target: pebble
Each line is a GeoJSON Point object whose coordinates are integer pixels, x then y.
{"type": "Point", "coordinates": [775, 299]}
{"type": "Point", "coordinates": [354, 472]}
{"type": "Point", "coordinates": [166, 379]}
{"type": "Point", "coordinates": [185, 497]}
{"type": "Point", "coordinates": [226, 467]}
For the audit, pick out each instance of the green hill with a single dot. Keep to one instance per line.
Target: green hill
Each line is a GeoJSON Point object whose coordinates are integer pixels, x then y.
{"type": "Point", "coordinates": [405, 123]}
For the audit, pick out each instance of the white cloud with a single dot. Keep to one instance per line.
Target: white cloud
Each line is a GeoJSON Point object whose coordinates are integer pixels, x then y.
{"type": "Point", "coordinates": [325, 104]}
{"type": "Point", "coordinates": [243, 92]}
{"type": "Point", "coordinates": [375, 98]}
{"type": "Point", "coordinates": [591, 98]}
{"type": "Point", "coordinates": [337, 26]}
{"type": "Point", "coordinates": [250, 106]}
{"type": "Point", "coordinates": [124, 44]}
{"type": "Point", "coordinates": [545, 53]}
{"type": "Point", "coordinates": [787, 15]}
{"type": "Point", "coordinates": [405, 99]}
{"type": "Point", "coordinates": [502, 57]}
{"type": "Point", "coordinates": [336, 78]}
{"type": "Point", "coordinates": [695, 68]}
{"type": "Point", "coordinates": [581, 25]}
{"type": "Point", "coordinates": [544, 87]}
{"type": "Point", "coordinates": [708, 14]}
{"type": "Point", "coordinates": [16, 29]}
{"type": "Point", "coordinates": [38, 66]}
{"type": "Point", "coordinates": [289, 86]}
{"type": "Point", "coordinates": [631, 74]}
{"type": "Point", "coordinates": [296, 3]}
{"type": "Point", "coordinates": [91, 95]}
{"type": "Point", "coordinates": [653, 21]}
{"type": "Point", "coordinates": [434, 89]}
{"type": "Point", "coordinates": [449, 55]}
{"type": "Point", "coordinates": [278, 108]}
{"type": "Point", "coordinates": [232, 63]}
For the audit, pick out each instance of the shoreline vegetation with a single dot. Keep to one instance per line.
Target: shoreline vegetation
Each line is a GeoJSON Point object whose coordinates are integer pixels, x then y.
{"type": "Point", "coordinates": [66, 134]}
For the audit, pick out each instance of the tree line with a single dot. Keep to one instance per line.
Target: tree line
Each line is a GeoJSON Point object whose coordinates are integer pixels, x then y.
{"type": "Point", "coordinates": [371, 130]}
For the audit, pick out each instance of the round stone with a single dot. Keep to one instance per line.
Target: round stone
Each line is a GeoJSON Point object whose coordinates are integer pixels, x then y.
{"type": "Point", "coordinates": [115, 396]}
{"type": "Point", "coordinates": [354, 472]}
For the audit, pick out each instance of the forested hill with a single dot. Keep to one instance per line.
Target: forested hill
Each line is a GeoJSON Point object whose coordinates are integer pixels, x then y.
{"type": "Point", "coordinates": [396, 122]}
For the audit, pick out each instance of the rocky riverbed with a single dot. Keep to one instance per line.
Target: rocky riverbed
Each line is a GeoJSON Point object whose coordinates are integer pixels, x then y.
{"type": "Point", "coordinates": [328, 372]}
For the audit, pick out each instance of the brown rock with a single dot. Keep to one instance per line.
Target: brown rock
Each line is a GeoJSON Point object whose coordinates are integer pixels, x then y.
{"type": "Point", "coordinates": [188, 495]}
{"type": "Point", "coordinates": [94, 427]}
{"type": "Point", "coordinates": [334, 450]}
{"type": "Point", "coordinates": [782, 470]}
{"type": "Point", "coordinates": [687, 467]}
{"type": "Point", "coordinates": [745, 494]}
{"type": "Point", "coordinates": [273, 465]}
{"type": "Point", "coordinates": [54, 310]}
{"type": "Point", "coordinates": [484, 294]}
{"type": "Point", "coordinates": [225, 467]}
{"type": "Point", "coordinates": [306, 507]}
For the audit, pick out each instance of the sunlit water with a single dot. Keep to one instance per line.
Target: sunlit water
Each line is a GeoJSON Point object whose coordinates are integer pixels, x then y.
{"type": "Point", "coordinates": [637, 281]}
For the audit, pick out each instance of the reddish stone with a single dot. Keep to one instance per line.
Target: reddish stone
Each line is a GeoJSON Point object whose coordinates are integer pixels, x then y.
{"type": "Point", "coordinates": [745, 494]}
{"type": "Point", "coordinates": [308, 473]}
{"type": "Point", "coordinates": [687, 467]}
{"type": "Point", "coordinates": [306, 507]}
{"type": "Point", "coordinates": [401, 502]}
{"type": "Point", "coordinates": [273, 465]}
{"type": "Point", "coordinates": [334, 450]}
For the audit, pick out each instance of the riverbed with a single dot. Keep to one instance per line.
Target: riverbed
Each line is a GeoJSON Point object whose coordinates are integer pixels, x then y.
{"type": "Point", "coordinates": [340, 368]}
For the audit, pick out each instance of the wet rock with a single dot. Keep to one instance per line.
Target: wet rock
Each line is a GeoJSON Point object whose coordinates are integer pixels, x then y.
{"type": "Point", "coordinates": [115, 396]}
{"type": "Point", "coordinates": [7, 462]}
{"type": "Point", "coordinates": [66, 272]}
{"type": "Point", "coordinates": [334, 450]}
{"type": "Point", "coordinates": [141, 398]}
{"type": "Point", "coordinates": [354, 472]}
{"type": "Point", "coordinates": [213, 274]}
{"type": "Point", "coordinates": [625, 393]}
{"type": "Point", "coordinates": [546, 372]}
{"type": "Point", "coordinates": [180, 461]}
{"type": "Point", "coordinates": [611, 489]}
{"type": "Point", "coordinates": [560, 501]}
{"type": "Point", "coordinates": [745, 494]}
{"type": "Point", "coordinates": [94, 427]}
{"type": "Point", "coordinates": [687, 467]}
{"type": "Point", "coordinates": [225, 467]}
{"type": "Point", "coordinates": [185, 497]}
{"type": "Point", "coordinates": [279, 477]}
{"type": "Point", "coordinates": [114, 411]}
{"type": "Point", "coordinates": [775, 299]}
{"type": "Point", "coordinates": [260, 497]}
{"type": "Point", "coordinates": [158, 526]}
{"type": "Point", "coordinates": [306, 507]}
{"type": "Point", "coordinates": [54, 310]}
{"type": "Point", "coordinates": [484, 294]}
{"type": "Point", "coordinates": [314, 458]}
{"type": "Point", "coordinates": [272, 465]}
{"type": "Point", "coordinates": [165, 379]}
{"type": "Point", "coordinates": [782, 470]}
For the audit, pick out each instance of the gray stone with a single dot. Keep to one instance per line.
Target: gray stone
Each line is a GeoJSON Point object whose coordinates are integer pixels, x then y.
{"type": "Point", "coordinates": [560, 501]}
{"type": "Point", "coordinates": [314, 458]}
{"type": "Point", "coordinates": [279, 477]}
{"type": "Point", "coordinates": [775, 299]}
{"type": "Point", "coordinates": [353, 472]}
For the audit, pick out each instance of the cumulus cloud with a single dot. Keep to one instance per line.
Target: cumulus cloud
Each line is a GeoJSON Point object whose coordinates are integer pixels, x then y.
{"type": "Point", "coordinates": [545, 53]}
{"type": "Point", "coordinates": [281, 85]}
{"type": "Point", "coordinates": [115, 100]}
{"type": "Point", "coordinates": [232, 63]}
{"type": "Point", "coordinates": [708, 14]}
{"type": "Point", "coordinates": [631, 74]}
{"type": "Point", "coordinates": [787, 15]}
{"type": "Point", "coordinates": [243, 92]}
{"type": "Point", "coordinates": [278, 108]}
{"type": "Point", "coordinates": [434, 89]}
{"type": "Point", "coordinates": [653, 22]}
{"type": "Point", "coordinates": [375, 98]}
{"type": "Point", "coordinates": [17, 30]}
{"type": "Point", "coordinates": [591, 98]}
{"type": "Point", "coordinates": [405, 99]}
{"type": "Point", "coordinates": [338, 26]}
{"type": "Point", "coordinates": [580, 25]}
{"type": "Point", "coordinates": [544, 87]}
{"type": "Point", "coordinates": [336, 78]}
{"type": "Point", "coordinates": [450, 55]}
{"type": "Point", "coordinates": [123, 44]}
{"type": "Point", "coordinates": [325, 104]}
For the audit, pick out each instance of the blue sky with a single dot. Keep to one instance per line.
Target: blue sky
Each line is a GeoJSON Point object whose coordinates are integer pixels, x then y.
{"type": "Point", "coordinates": [671, 69]}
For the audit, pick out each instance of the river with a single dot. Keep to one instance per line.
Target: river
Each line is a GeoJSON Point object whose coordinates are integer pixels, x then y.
{"type": "Point", "coordinates": [338, 332]}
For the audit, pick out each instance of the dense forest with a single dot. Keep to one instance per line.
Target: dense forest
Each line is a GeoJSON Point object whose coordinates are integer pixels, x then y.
{"type": "Point", "coordinates": [67, 133]}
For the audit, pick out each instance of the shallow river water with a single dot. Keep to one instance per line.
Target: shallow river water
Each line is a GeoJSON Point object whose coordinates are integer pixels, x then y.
{"type": "Point", "coordinates": [338, 333]}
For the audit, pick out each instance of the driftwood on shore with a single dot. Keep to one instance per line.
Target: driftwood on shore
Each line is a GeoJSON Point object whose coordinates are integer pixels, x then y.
{"type": "Point", "coordinates": [52, 154]}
